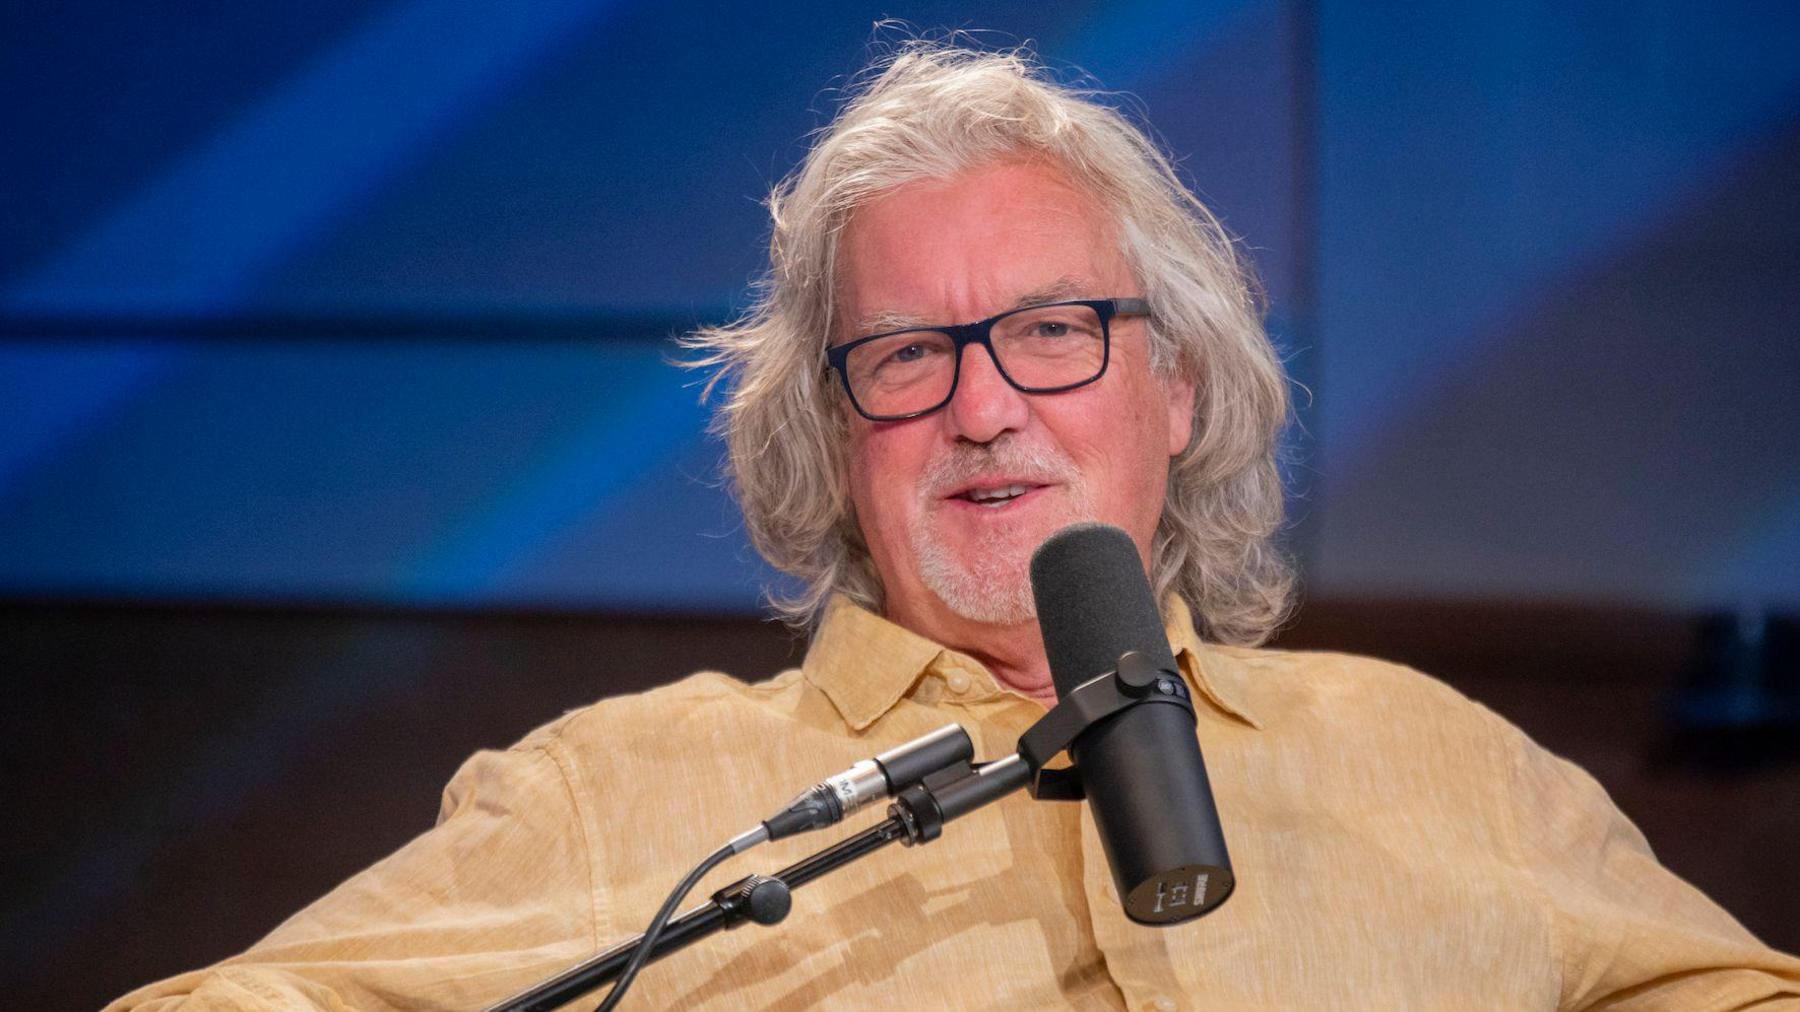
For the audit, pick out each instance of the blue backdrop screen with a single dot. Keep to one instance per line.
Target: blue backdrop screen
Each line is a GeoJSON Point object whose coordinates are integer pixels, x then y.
{"type": "Point", "coordinates": [374, 301]}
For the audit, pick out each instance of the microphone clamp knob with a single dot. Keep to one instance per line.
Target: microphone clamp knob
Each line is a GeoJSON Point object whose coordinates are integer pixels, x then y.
{"type": "Point", "coordinates": [1137, 673]}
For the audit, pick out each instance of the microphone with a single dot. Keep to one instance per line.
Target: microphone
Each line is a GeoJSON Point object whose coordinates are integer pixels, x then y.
{"type": "Point", "coordinates": [868, 780]}
{"type": "Point", "coordinates": [1141, 767]}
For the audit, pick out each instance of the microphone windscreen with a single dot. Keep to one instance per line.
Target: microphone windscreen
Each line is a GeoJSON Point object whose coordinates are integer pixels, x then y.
{"type": "Point", "coordinates": [1094, 604]}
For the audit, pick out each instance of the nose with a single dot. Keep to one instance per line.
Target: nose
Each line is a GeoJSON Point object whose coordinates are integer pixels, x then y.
{"type": "Point", "coordinates": [984, 405]}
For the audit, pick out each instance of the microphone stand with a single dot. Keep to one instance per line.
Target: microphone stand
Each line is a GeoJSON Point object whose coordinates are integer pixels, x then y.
{"type": "Point", "coordinates": [917, 815]}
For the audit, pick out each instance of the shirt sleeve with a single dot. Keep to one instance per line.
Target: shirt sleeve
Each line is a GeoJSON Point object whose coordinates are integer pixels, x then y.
{"type": "Point", "coordinates": [1630, 934]}
{"type": "Point", "coordinates": [497, 896]}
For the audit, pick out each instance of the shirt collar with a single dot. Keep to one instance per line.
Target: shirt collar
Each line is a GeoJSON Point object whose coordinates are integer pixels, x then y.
{"type": "Point", "coordinates": [1212, 672]}
{"type": "Point", "coordinates": [865, 664]}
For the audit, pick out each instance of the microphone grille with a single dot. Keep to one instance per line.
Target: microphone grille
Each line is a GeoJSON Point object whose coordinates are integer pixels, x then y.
{"type": "Point", "coordinates": [1094, 603]}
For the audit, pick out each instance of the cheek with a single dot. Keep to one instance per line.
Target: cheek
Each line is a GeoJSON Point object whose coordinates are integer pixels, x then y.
{"type": "Point", "coordinates": [857, 472]}
{"type": "Point", "coordinates": [1136, 448]}
{"type": "Point", "coordinates": [879, 480]}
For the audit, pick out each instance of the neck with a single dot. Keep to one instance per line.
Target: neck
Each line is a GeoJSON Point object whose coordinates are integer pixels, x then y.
{"type": "Point", "coordinates": [1013, 652]}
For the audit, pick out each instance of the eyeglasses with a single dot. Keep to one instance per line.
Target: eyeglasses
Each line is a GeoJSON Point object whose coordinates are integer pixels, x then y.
{"type": "Point", "coordinates": [1038, 350]}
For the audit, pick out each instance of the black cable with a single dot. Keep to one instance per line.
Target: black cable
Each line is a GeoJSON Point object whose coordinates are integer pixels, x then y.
{"type": "Point", "coordinates": [660, 921]}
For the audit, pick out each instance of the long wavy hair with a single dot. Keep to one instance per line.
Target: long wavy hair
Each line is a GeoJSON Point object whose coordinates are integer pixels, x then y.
{"type": "Point", "coordinates": [929, 111]}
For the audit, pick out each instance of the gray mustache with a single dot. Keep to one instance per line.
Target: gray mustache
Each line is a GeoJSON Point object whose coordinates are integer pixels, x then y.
{"type": "Point", "coordinates": [1033, 463]}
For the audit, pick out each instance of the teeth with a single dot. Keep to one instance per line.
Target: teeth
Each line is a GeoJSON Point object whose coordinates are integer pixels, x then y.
{"type": "Point", "coordinates": [996, 494]}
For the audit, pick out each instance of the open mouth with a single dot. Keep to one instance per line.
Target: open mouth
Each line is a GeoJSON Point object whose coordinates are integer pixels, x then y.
{"type": "Point", "coordinates": [995, 496]}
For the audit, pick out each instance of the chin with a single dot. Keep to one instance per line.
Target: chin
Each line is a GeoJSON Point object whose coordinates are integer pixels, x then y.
{"type": "Point", "coordinates": [985, 579]}
{"type": "Point", "coordinates": [976, 598]}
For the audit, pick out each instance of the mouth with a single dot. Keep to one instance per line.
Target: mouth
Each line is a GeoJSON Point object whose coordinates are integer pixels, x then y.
{"type": "Point", "coordinates": [995, 495]}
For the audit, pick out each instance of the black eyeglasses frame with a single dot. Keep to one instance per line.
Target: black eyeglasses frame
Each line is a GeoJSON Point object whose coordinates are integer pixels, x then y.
{"type": "Point", "coordinates": [964, 334]}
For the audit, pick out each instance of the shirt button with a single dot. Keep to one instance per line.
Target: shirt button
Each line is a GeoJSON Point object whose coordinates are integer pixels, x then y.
{"type": "Point", "coordinates": [1163, 1003]}
{"type": "Point", "coordinates": [958, 682]}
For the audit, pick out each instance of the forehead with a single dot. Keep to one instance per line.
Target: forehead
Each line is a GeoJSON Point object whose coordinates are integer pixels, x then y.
{"type": "Point", "coordinates": [948, 250]}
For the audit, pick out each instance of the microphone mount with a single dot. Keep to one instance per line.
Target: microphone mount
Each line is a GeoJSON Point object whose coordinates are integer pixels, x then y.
{"type": "Point", "coordinates": [1136, 681]}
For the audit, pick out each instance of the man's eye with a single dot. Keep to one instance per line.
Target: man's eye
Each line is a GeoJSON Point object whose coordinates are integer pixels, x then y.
{"type": "Point", "coordinates": [1051, 328]}
{"type": "Point", "coordinates": [909, 354]}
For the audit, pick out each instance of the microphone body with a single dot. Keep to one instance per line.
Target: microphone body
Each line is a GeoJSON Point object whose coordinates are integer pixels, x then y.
{"type": "Point", "coordinates": [1141, 768]}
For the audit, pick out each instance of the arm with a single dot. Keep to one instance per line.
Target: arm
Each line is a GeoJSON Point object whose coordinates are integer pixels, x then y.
{"type": "Point", "coordinates": [1629, 933]}
{"type": "Point", "coordinates": [499, 894]}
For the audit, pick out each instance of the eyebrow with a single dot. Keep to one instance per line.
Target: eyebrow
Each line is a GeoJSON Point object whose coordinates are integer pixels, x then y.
{"type": "Point", "coordinates": [1060, 290]}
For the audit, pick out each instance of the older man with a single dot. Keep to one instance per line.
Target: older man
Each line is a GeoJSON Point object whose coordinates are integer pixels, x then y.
{"type": "Point", "coordinates": [993, 311]}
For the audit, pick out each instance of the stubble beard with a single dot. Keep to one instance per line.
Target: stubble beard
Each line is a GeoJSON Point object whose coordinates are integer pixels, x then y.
{"type": "Point", "coordinates": [992, 583]}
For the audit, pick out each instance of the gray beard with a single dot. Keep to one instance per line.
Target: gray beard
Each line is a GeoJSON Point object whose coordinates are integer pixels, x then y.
{"type": "Point", "coordinates": [993, 587]}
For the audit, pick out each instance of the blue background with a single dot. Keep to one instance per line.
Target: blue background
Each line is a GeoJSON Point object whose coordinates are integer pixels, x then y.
{"type": "Point", "coordinates": [372, 303]}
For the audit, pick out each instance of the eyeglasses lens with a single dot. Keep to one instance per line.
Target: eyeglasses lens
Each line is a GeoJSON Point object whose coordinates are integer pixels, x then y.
{"type": "Point", "coordinates": [1042, 348]}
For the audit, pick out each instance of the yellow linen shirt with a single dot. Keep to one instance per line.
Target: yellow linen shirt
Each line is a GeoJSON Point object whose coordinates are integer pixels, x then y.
{"type": "Point", "coordinates": [1396, 846]}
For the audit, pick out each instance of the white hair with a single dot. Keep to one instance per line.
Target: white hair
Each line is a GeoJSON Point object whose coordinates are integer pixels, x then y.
{"type": "Point", "coordinates": [931, 111]}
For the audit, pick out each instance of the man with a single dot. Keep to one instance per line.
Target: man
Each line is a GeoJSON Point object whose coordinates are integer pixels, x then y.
{"type": "Point", "coordinates": [992, 311]}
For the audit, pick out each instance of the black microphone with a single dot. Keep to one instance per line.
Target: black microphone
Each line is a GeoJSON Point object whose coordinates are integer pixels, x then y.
{"type": "Point", "coordinates": [1141, 768]}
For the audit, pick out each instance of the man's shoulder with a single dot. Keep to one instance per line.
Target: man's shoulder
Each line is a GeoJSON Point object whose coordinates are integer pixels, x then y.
{"type": "Point", "coordinates": [1343, 687]}
{"type": "Point", "coordinates": [1326, 670]}
{"type": "Point", "coordinates": [702, 701]}
{"type": "Point", "coordinates": [1368, 732]}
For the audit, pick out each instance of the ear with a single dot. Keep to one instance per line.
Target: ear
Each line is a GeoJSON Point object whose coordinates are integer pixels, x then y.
{"type": "Point", "coordinates": [1179, 391]}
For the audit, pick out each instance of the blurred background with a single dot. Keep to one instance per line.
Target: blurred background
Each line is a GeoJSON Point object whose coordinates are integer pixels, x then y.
{"type": "Point", "coordinates": [339, 434]}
